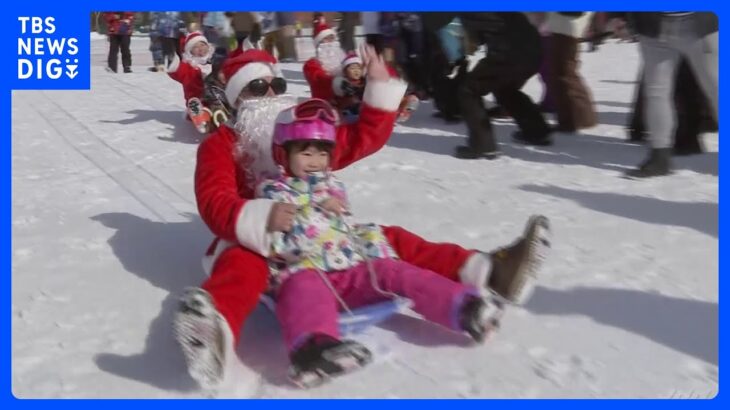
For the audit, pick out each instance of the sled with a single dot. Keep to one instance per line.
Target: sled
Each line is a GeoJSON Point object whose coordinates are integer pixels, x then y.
{"type": "Point", "coordinates": [359, 319]}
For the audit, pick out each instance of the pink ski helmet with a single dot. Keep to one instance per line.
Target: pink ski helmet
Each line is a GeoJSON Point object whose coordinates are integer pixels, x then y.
{"type": "Point", "coordinates": [310, 120]}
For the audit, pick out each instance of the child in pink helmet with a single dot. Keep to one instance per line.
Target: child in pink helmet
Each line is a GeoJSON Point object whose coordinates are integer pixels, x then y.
{"type": "Point", "coordinates": [325, 263]}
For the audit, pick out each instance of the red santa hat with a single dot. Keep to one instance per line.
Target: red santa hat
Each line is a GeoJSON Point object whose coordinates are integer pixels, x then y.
{"type": "Point", "coordinates": [241, 69]}
{"type": "Point", "coordinates": [351, 58]}
{"type": "Point", "coordinates": [321, 30]}
{"type": "Point", "coordinates": [192, 39]}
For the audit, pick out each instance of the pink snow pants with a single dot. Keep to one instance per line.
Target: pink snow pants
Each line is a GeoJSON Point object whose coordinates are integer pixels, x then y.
{"type": "Point", "coordinates": [305, 304]}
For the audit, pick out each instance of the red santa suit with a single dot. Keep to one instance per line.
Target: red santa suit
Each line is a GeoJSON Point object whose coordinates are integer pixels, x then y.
{"type": "Point", "coordinates": [190, 76]}
{"type": "Point", "coordinates": [226, 201]}
{"type": "Point", "coordinates": [320, 81]}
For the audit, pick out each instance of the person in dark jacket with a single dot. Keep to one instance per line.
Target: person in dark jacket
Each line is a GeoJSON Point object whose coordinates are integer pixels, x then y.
{"type": "Point", "coordinates": [119, 25]}
{"type": "Point", "coordinates": [666, 37]}
{"type": "Point", "coordinates": [513, 56]}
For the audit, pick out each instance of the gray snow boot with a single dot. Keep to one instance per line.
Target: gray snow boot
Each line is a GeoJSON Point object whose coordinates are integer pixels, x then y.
{"type": "Point", "coordinates": [203, 336]}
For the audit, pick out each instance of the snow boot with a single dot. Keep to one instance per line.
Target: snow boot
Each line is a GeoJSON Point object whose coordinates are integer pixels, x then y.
{"type": "Point", "coordinates": [203, 335]}
{"type": "Point", "coordinates": [199, 115]}
{"type": "Point", "coordinates": [322, 357]}
{"type": "Point", "coordinates": [515, 267]}
{"type": "Point", "coordinates": [480, 317]}
{"type": "Point", "coordinates": [657, 164]}
{"type": "Point", "coordinates": [466, 152]}
{"type": "Point", "coordinates": [522, 138]}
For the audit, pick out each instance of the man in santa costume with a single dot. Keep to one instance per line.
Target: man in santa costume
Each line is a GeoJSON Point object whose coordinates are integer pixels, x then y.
{"type": "Point", "coordinates": [321, 69]}
{"type": "Point", "coordinates": [233, 158]}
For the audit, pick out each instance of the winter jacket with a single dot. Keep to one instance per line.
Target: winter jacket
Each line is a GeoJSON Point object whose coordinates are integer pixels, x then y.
{"type": "Point", "coordinates": [226, 201]}
{"type": "Point", "coordinates": [319, 239]}
{"type": "Point", "coordinates": [509, 36]}
{"type": "Point", "coordinates": [115, 25]}
{"type": "Point", "coordinates": [348, 96]}
{"type": "Point", "coordinates": [190, 76]}
{"type": "Point", "coordinates": [167, 24]}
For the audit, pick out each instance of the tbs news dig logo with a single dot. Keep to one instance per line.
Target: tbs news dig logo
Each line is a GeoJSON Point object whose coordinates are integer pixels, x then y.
{"type": "Point", "coordinates": [42, 55]}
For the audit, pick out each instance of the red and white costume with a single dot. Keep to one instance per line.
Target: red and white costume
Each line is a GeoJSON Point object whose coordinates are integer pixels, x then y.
{"type": "Point", "coordinates": [190, 75]}
{"type": "Point", "coordinates": [226, 203]}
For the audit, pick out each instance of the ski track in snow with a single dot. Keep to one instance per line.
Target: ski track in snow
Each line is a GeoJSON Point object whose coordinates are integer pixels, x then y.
{"type": "Point", "coordinates": [106, 235]}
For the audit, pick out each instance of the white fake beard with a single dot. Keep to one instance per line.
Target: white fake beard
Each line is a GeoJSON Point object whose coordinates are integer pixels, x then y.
{"type": "Point", "coordinates": [330, 55]}
{"type": "Point", "coordinates": [198, 61]}
{"type": "Point", "coordinates": [254, 126]}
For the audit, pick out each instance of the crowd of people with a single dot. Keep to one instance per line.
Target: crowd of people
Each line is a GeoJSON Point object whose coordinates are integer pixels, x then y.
{"type": "Point", "coordinates": [264, 179]}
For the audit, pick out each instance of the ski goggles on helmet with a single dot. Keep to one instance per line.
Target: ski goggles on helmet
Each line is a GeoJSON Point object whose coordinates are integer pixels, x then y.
{"type": "Point", "coordinates": [260, 87]}
{"type": "Point", "coordinates": [315, 109]}
{"type": "Point", "coordinates": [311, 120]}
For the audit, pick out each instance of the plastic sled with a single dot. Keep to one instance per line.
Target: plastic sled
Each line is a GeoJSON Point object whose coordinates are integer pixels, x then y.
{"type": "Point", "coordinates": [363, 317]}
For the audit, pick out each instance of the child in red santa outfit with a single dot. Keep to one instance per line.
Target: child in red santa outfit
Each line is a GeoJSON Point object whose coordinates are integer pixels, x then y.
{"type": "Point", "coordinates": [327, 259]}
{"type": "Point", "coordinates": [191, 72]}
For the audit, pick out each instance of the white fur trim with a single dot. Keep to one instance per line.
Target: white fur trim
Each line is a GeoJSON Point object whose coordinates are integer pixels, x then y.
{"type": "Point", "coordinates": [322, 34]}
{"type": "Point", "coordinates": [337, 85]}
{"type": "Point", "coordinates": [251, 226]}
{"type": "Point", "coordinates": [209, 260]}
{"type": "Point", "coordinates": [385, 95]}
{"type": "Point", "coordinates": [174, 65]}
{"type": "Point", "coordinates": [475, 271]}
{"type": "Point", "coordinates": [351, 60]}
{"type": "Point", "coordinates": [193, 41]}
{"type": "Point", "coordinates": [245, 75]}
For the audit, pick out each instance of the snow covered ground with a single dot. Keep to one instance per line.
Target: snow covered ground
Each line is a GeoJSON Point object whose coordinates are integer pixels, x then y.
{"type": "Point", "coordinates": [106, 235]}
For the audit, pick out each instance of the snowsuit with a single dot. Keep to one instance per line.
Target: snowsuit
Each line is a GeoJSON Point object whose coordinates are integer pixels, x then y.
{"type": "Point", "coordinates": [324, 249]}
